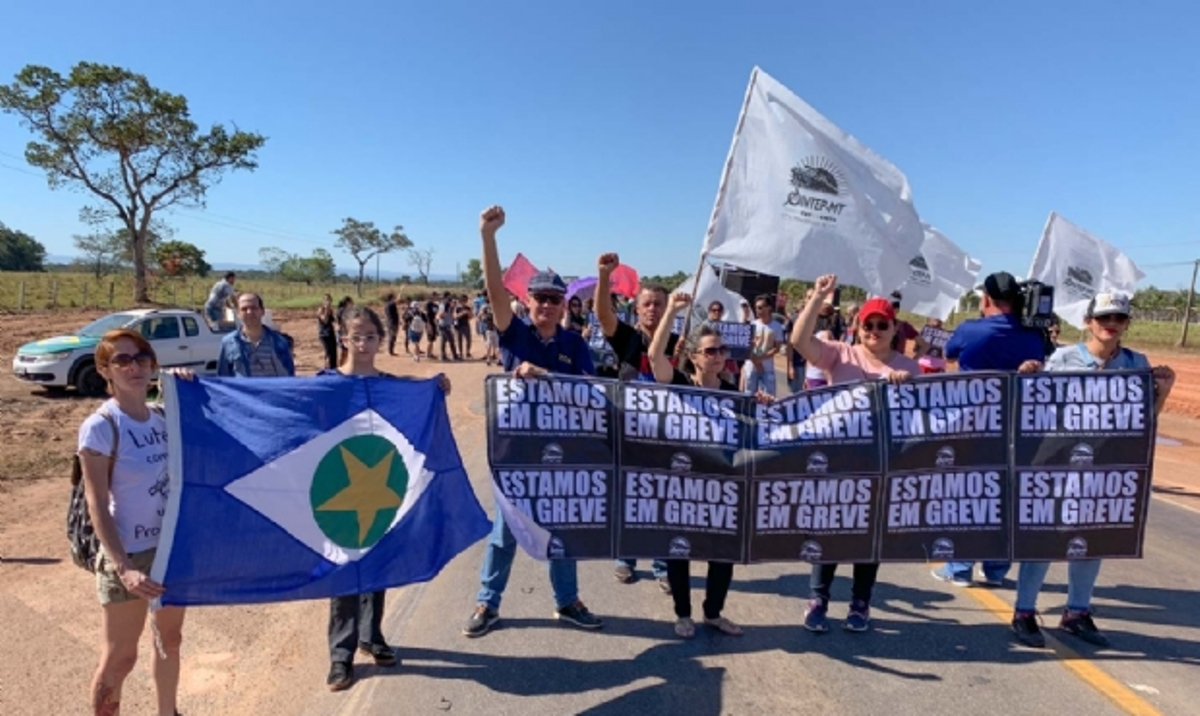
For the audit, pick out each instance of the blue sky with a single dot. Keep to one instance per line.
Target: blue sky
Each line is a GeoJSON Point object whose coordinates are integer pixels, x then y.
{"type": "Point", "coordinates": [604, 126]}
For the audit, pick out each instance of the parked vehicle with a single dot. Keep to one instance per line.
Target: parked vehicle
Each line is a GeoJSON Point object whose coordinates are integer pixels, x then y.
{"type": "Point", "coordinates": [181, 339]}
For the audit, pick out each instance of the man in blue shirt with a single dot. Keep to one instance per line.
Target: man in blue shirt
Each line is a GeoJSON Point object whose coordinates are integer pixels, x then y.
{"type": "Point", "coordinates": [997, 341]}
{"type": "Point", "coordinates": [254, 350]}
{"type": "Point", "coordinates": [528, 350]}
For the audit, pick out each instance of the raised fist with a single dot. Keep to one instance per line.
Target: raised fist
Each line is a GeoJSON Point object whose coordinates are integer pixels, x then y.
{"type": "Point", "coordinates": [607, 263]}
{"type": "Point", "coordinates": [491, 219]}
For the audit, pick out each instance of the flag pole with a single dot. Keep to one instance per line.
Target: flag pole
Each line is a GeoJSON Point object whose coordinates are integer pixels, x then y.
{"type": "Point", "coordinates": [719, 201]}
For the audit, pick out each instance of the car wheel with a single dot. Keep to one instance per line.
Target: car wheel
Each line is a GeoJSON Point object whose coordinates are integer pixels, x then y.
{"type": "Point", "coordinates": [89, 382]}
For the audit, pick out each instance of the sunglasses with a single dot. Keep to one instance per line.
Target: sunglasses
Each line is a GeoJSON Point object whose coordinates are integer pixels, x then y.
{"type": "Point", "coordinates": [713, 351]}
{"type": "Point", "coordinates": [876, 325]}
{"type": "Point", "coordinates": [1113, 318]}
{"type": "Point", "coordinates": [553, 299]}
{"type": "Point", "coordinates": [124, 360]}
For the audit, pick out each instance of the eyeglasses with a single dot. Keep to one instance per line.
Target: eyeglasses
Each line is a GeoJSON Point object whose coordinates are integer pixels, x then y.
{"type": "Point", "coordinates": [362, 339]}
{"type": "Point", "coordinates": [553, 299]}
{"type": "Point", "coordinates": [124, 360]}
{"type": "Point", "coordinates": [713, 351]}
{"type": "Point", "coordinates": [1113, 318]}
{"type": "Point", "coordinates": [876, 325]}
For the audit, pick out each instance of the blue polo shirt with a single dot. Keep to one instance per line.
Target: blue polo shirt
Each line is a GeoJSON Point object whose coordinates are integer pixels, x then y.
{"type": "Point", "coordinates": [565, 353]}
{"type": "Point", "coordinates": [997, 342]}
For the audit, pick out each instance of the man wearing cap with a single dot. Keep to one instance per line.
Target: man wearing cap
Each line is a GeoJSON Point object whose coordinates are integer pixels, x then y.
{"type": "Point", "coordinates": [1107, 318]}
{"type": "Point", "coordinates": [528, 350]}
{"type": "Point", "coordinates": [631, 343]}
{"type": "Point", "coordinates": [996, 341]}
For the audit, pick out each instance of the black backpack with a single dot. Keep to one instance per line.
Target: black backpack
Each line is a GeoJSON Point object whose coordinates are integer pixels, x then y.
{"type": "Point", "coordinates": [85, 546]}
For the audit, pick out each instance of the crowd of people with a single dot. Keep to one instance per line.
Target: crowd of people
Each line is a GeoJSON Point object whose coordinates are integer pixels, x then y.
{"type": "Point", "coordinates": [550, 332]}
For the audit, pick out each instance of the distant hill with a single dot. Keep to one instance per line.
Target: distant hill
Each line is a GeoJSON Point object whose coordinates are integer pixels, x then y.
{"type": "Point", "coordinates": [221, 267]}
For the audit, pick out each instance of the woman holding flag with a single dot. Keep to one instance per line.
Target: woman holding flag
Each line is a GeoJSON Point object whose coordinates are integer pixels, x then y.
{"type": "Point", "coordinates": [873, 356]}
{"type": "Point", "coordinates": [357, 620]}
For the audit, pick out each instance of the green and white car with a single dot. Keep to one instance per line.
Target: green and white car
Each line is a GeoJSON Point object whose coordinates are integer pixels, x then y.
{"type": "Point", "coordinates": [181, 339]}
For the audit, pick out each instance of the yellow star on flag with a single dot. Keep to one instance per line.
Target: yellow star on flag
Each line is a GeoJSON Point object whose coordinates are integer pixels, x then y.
{"type": "Point", "coordinates": [367, 494]}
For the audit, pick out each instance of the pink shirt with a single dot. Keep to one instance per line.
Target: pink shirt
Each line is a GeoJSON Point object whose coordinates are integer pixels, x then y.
{"type": "Point", "coordinates": [846, 363]}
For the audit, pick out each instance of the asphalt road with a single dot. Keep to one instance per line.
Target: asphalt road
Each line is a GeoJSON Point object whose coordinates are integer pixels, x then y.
{"type": "Point", "coordinates": [935, 649]}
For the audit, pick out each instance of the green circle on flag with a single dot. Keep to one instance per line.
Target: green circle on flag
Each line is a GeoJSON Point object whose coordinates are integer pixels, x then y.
{"type": "Point", "coordinates": [356, 490]}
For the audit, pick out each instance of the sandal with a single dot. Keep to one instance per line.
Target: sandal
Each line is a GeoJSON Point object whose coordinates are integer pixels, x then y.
{"type": "Point", "coordinates": [724, 626]}
{"type": "Point", "coordinates": [685, 628]}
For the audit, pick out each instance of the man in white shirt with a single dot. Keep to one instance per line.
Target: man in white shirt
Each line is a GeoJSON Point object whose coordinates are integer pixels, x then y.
{"type": "Point", "coordinates": [759, 371]}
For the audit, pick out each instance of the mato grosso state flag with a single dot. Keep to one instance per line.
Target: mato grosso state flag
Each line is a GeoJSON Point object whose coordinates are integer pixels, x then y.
{"type": "Point", "coordinates": [799, 197]}
{"type": "Point", "coordinates": [302, 488]}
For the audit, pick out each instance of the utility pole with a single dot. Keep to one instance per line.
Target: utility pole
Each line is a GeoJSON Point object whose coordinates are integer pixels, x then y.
{"type": "Point", "coordinates": [1187, 312]}
{"type": "Point", "coordinates": [376, 269]}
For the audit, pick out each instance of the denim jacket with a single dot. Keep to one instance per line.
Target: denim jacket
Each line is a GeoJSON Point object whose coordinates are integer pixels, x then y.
{"type": "Point", "coordinates": [234, 359]}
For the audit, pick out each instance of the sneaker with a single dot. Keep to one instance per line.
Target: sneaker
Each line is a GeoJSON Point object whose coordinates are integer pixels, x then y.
{"type": "Point", "coordinates": [983, 579]}
{"type": "Point", "coordinates": [579, 615]}
{"type": "Point", "coordinates": [381, 653]}
{"type": "Point", "coordinates": [481, 622]}
{"type": "Point", "coordinates": [623, 574]}
{"type": "Point", "coordinates": [664, 585]}
{"type": "Point", "coordinates": [1081, 625]}
{"type": "Point", "coordinates": [1025, 628]}
{"type": "Point", "coordinates": [859, 618]}
{"type": "Point", "coordinates": [814, 617]}
{"type": "Point", "coordinates": [341, 675]}
{"type": "Point", "coordinates": [959, 580]}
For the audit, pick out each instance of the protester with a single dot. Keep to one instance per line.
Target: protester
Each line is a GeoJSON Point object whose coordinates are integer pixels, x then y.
{"type": "Point", "coordinates": [431, 321]}
{"type": "Point", "coordinates": [747, 314]}
{"type": "Point", "coordinates": [831, 321]}
{"type": "Point", "coordinates": [326, 332]}
{"type": "Point", "coordinates": [254, 350]}
{"type": "Point", "coordinates": [1053, 332]}
{"type": "Point", "coordinates": [445, 328]}
{"type": "Point", "coordinates": [716, 312]}
{"type": "Point", "coordinates": [343, 305]}
{"type": "Point", "coordinates": [356, 620]}
{"type": "Point", "coordinates": [630, 343]}
{"type": "Point", "coordinates": [814, 376]}
{"type": "Point", "coordinates": [122, 451]}
{"type": "Point", "coordinates": [462, 314]}
{"type": "Point", "coordinates": [406, 318]}
{"type": "Point", "coordinates": [706, 361]}
{"type": "Point", "coordinates": [997, 341]}
{"type": "Point", "coordinates": [416, 331]}
{"type": "Point", "coordinates": [219, 297]}
{"type": "Point", "coordinates": [1108, 317]}
{"type": "Point", "coordinates": [491, 339]}
{"type": "Point", "coordinates": [575, 320]}
{"type": "Point", "coordinates": [872, 358]}
{"type": "Point", "coordinates": [851, 334]}
{"type": "Point", "coordinates": [905, 331]}
{"type": "Point", "coordinates": [392, 313]}
{"type": "Point", "coordinates": [531, 350]}
{"type": "Point", "coordinates": [758, 373]}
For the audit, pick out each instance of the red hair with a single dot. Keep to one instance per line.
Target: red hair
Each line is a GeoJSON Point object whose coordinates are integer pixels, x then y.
{"type": "Point", "coordinates": [108, 346]}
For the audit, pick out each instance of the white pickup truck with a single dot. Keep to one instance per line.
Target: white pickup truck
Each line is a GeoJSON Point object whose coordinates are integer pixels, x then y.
{"type": "Point", "coordinates": [181, 339]}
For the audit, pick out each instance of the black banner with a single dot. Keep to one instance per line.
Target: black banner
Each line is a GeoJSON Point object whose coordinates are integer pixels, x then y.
{"type": "Point", "coordinates": [736, 336]}
{"type": "Point", "coordinates": [1083, 447]}
{"type": "Point", "coordinates": [972, 466]}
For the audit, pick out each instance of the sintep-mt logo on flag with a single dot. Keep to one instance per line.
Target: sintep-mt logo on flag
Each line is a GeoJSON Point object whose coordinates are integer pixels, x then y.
{"type": "Point", "coordinates": [816, 185]}
{"type": "Point", "coordinates": [356, 490]}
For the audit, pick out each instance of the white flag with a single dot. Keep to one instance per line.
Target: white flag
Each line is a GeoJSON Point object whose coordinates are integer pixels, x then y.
{"type": "Point", "coordinates": [939, 276]}
{"type": "Point", "coordinates": [708, 290]}
{"type": "Point", "coordinates": [1078, 266]}
{"type": "Point", "coordinates": [799, 198]}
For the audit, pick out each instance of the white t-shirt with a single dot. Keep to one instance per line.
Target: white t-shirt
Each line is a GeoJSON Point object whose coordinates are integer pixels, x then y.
{"type": "Point", "coordinates": [810, 370]}
{"type": "Point", "coordinates": [138, 496]}
{"type": "Point", "coordinates": [766, 337]}
{"type": "Point", "coordinates": [418, 324]}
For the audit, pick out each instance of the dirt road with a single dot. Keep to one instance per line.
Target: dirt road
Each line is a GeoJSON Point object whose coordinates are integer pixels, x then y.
{"type": "Point", "coordinates": [267, 659]}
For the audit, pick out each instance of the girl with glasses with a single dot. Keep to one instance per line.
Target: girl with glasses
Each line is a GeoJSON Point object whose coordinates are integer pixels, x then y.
{"type": "Point", "coordinates": [873, 357]}
{"type": "Point", "coordinates": [122, 452]}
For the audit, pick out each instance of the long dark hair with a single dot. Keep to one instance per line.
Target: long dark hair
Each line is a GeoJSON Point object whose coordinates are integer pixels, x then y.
{"type": "Point", "coordinates": [364, 312]}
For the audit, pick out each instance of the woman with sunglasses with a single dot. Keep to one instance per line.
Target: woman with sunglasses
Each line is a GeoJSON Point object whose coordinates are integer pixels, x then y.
{"type": "Point", "coordinates": [122, 453]}
{"type": "Point", "coordinates": [702, 369]}
{"type": "Point", "coordinates": [355, 621]}
{"type": "Point", "coordinates": [574, 319]}
{"type": "Point", "coordinates": [1107, 320]}
{"type": "Point", "coordinates": [873, 357]}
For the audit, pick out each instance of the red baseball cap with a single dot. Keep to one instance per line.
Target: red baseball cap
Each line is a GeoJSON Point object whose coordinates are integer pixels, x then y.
{"type": "Point", "coordinates": [877, 307]}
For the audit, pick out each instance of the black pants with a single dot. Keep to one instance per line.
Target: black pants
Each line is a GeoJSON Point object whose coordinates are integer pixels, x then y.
{"type": "Point", "coordinates": [464, 339]}
{"type": "Point", "coordinates": [864, 581]}
{"type": "Point", "coordinates": [392, 329]}
{"type": "Point", "coordinates": [354, 619]}
{"type": "Point", "coordinates": [330, 344]}
{"type": "Point", "coordinates": [716, 587]}
{"type": "Point", "coordinates": [446, 338]}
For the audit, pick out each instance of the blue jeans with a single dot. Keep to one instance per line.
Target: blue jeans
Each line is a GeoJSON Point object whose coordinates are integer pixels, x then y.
{"type": "Point", "coordinates": [1081, 582]}
{"type": "Point", "coordinates": [796, 384]}
{"type": "Point", "coordinates": [992, 570]}
{"type": "Point", "coordinates": [497, 565]}
{"type": "Point", "coordinates": [658, 566]}
{"type": "Point", "coordinates": [756, 380]}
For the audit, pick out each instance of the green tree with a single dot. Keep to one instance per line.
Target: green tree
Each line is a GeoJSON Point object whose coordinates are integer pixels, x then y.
{"type": "Point", "coordinates": [179, 258]}
{"type": "Point", "coordinates": [363, 241]}
{"type": "Point", "coordinates": [272, 259]}
{"type": "Point", "coordinates": [101, 252]}
{"type": "Point", "coordinates": [473, 276]}
{"type": "Point", "coordinates": [20, 251]}
{"type": "Point", "coordinates": [422, 261]}
{"type": "Point", "coordinates": [318, 268]}
{"type": "Point", "coordinates": [133, 146]}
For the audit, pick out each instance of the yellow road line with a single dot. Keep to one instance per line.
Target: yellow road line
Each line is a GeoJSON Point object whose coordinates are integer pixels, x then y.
{"type": "Point", "coordinates": [1120, 694]}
